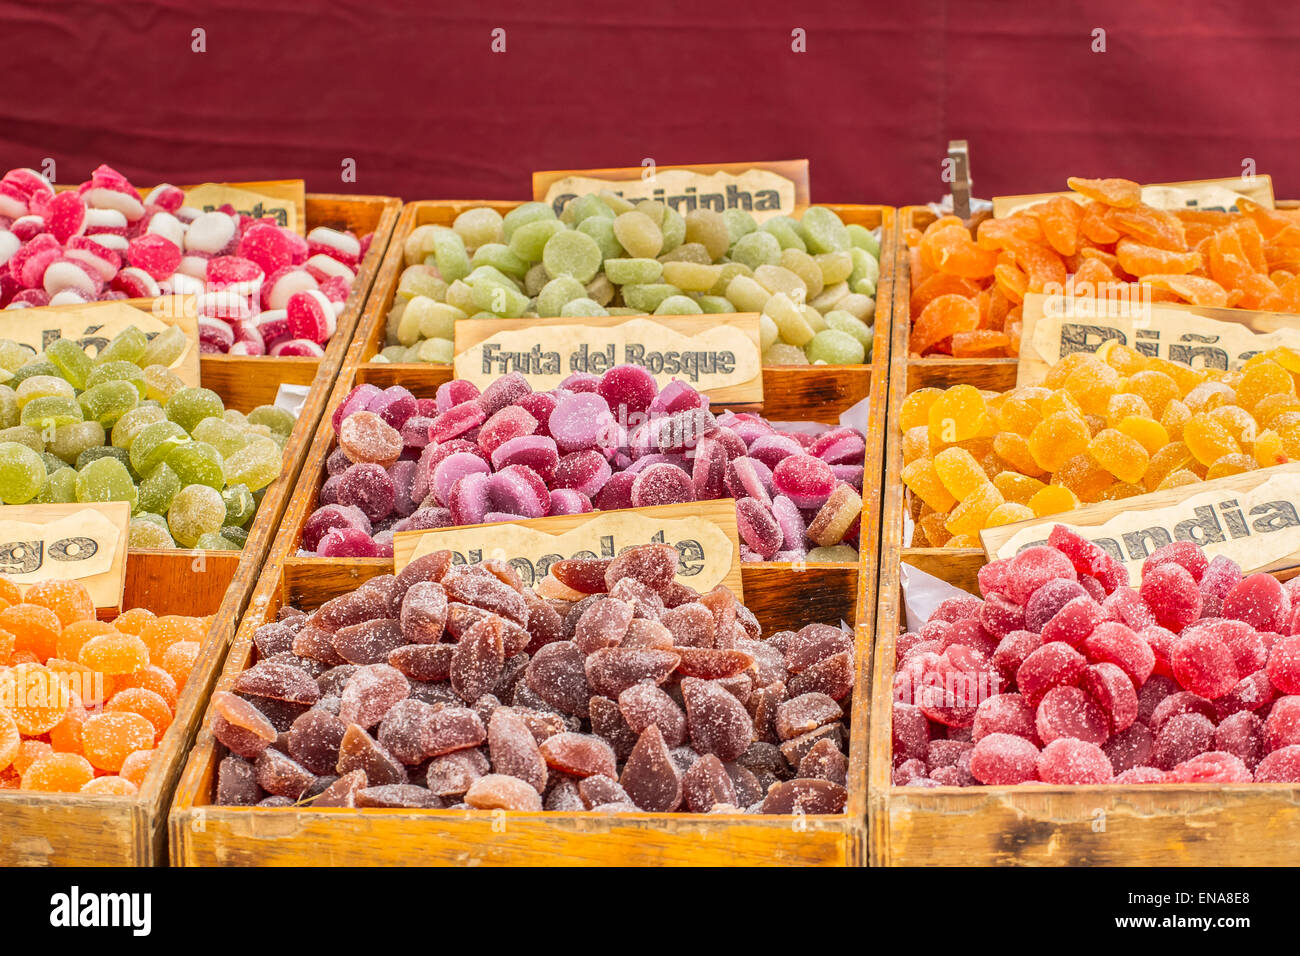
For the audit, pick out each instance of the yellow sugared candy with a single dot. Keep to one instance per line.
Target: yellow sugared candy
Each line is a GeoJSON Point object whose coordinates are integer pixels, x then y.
{"type": "Point", "coordinates": [1100, 427]}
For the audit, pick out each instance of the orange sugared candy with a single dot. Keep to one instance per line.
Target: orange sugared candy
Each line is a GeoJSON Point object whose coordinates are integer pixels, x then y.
{"type": "Point", "coordinates": [1101, 427]}
{"type": "Point", "coordinates": [110, 737]}
{"type": "Point", "coordinates": [83, 703]}
{"type": "Point", "coordinates": [1099, 242]}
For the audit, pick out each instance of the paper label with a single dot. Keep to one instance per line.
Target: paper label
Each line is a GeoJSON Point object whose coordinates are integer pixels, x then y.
{"type": "Point", "coordinates": [717, 354]}
{"type": "Point", "coordinates": [704, 534]}
{"type": "Point", "coordinates": [763, 190]}
{"type": "Point", "coordinates": [284, 200]}
{"type": "Point", "coordinates": [1199, 336]}
{"type": "Point", "coordinates": [85, 542]}
{"type": "Point", "coordinates": [93, 325]}
{"type": "Point", "coordinates": [1202, 194]}
{"type": "Point", "coordinates": [1250, 518]}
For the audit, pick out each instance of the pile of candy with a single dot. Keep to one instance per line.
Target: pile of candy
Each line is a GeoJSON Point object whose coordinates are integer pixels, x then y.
{"type": "Point", "coordinates": [1099, 428]}
{"type": "Point", "coordinates": [1066, 675]}
{"type": "Point", "coordinates": [596, 442]}
{"type": "Point", "coordinates": [610, 688]}
{"type": "Point", "coordinates": [122, 426]}
{"type": "Point", "coordinates": [813, 279]}
{"type": "Point", "coordinates": [262, 288]}
{"type": "Point", "coordinates": [84, 703]}
{"type": "Point", "coordinates": [967, 293]}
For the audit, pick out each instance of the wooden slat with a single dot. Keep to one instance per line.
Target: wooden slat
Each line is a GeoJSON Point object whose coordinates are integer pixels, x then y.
{"type": "Point", "coordinates": [1162, 825]}
{"type": "Point", "coordinates": [782, 596]}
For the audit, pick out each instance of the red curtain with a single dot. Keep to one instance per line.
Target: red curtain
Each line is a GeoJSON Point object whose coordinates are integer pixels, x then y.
{"type": "Point", "coordinates": [414, 94]}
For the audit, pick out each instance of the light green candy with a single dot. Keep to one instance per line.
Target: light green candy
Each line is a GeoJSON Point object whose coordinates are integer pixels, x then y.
{"type": "Point", "coordinates": [836, 348]}
{"type": "Point", "coordinates": [49, 413]}
{"type": "Point", "coordinates": [479, 227]}
{"type": "Point", "coordinates": [71, 360]}
{"type": "Point", "coordinates": [103, 451]}
{"type": "Point", "coordinates": [165, 347]}
{"type": "Point", "coordinates": [503, 302]}
{"type": "Point", "coordinates": [198, 463]}
{"type": "Point", "coordinates": [42, 386]}
{"type": "Point", "coordinates": [160, 383]}
{"type": "Point", "coordinates": [107, 402]}
{"type": "Point", "coordinates": [602, 230]}
{"type": "Point", "coordinates": [739, 223]}
{"type": "Point", "coordinates": [22, 473]}
{"type": "Point", "coordinates": [530, 239]}
{"type": "Point", "coordinates": [835, 554]}
{"type": "Point", "coordinates": [118, 372]}
{"type": "Point", "coordinates": [8, 407]}
{"type": "Point", "coordinates": [236, 536]}
{"type": "Point", "coordinates": [633, 271]}
{"type": "Point", "coordinates": [823, 231]}
{"type": "Point", "coordinates": [60, 487]}
{"type": "Point", "coordinates": [195, 511]}
{"type": "Point", "coordinates": [522, 215]}
{"type": "Point", "coordinates": [678, 305]}
{"type": "Point", "coordinates": [865, 266]}
{"type": "Point", "coordinates": [420, 279]}
{"type": "Point", "coordinates": [449, 254]}
{"type": "Point", "coordinates": [14, 355]}
{"type": "Point", "coordinates": [71, 440]}
{"type": "Point", "coordinates": [863, 238]}
{"type": "Point", "coordinates": [215, 541]}
{"type": "Point", "coordinates": [106, 479]}
{"type": "Point", "coordinates": [435, 351]}
{"type": "Point", "coordinates": [226, 437]}
{"type": "Point", "coordinates": [24, 435]}
{"type": "Point", "coordinates": [240, 505]}
{"type": "Point", "coordinates": [784, 354]}
{"type": "Point", "coordinates": [841, 321]}
{"type": "Point", "coordinates": [127, 346]}
{"type": "Point", "coordinates": [757, 249]}
{"type": "Point", "coordinates": [648, 297]}
{"type": "Point", "coordinates": [570, 253]}
{"type": "Point", "coordinates": [673, 228]}
{"type": "Point", "coordinates": [158, 489]}
{"type": "Point", "coordinates": [498, 256]}
{"type": "Point", "coordinates": [190, 406]}
{"type": "Point", "coordinates": [576, 211]}
{"type": "Point", "coordinates": [582, 307]}
{"type": "Point", "coordinates": [768, 333]}
{"type": "Point", "coordinates": [256, 465]}
{"type": "Point", "coordinates": [133, 422]}
{"type": "Point", "coordinates": [714, 304]}
{"type": "Point", "coordinates": [153, 443]}
{"type": "Point", "coordinates": [35, 367]}
{"type": "Point", "coordinates": [143, 533]}
{"type": "Point", "coordinates": [786, 231]}
{"type": "Point", "coordinates": [556, 293]}
{"type": "Point", "coordinates": [278, 420]}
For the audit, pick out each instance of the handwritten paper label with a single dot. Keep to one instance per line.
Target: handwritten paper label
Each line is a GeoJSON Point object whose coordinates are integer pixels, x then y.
{"type": "Point", "coordinates": [704, 534]}
{"type": "Point", "coordinates": [1202, 194]}
{"type": "Point", "coordinates": [284, 200]}
{"type": "Point", "coordinates": [717, 354]}
{"type": "Point", "coordinates": [1250, 518]}
{"type": "Point", "coordinates": [93, 325]}
{"type": "Point", "coordinates": [763, 190]}
{"type": "Point", "coordinates": [1199, 336]}
{"type": "Point", "coordinates": [85, 542]}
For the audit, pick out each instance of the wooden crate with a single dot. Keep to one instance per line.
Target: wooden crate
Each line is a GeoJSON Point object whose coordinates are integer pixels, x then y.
{"type": "Point", "coordinates": [68, 829]}
{"type": "Point", "coordinates": [788, 391]}
{"type": "Point", "coordinates": [781, 595]}
{"type": "Point", "coordinates": [1162, 825]}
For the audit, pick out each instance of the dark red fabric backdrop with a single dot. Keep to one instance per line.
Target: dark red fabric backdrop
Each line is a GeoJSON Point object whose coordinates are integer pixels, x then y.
{"type": "Point", "coordinates": [413, 93]}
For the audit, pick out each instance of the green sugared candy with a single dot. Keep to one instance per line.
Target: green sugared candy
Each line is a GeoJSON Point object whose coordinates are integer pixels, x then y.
{"type": "Point", "coordinates": [836, 554]}
{"type": "Point", "coordinates": [190, 406]}
{"type": "Point", "coordinates": [158, 489]}
{"type": "Point", "coordinates": [103, 451]}
{"type": "Point", "coordinates": [165, 347]}
{"type": "Point", "coordinates": [22, 473]}
{"type": "Point", "coordinates": [106, 479]}
{"type": "Point", "coordinates": [196, 510]}
{"type": "Point", "coordinates": [215, 541]}
{"type": "Point", "coordinates": [154, 443]}
{"type": "Point", "coordinates": [279, 420]}
{"type": "Point", "coordinates": [107, 402]}
{"type": "Point", "coordinates": [71, 440]}
{"type": "Point", "coordinates": [240, 505]}
{"type": "Point", "coordinates": [127, 346]}
{"type": "Point", "coordinates": [144, 533]}
{"type": "Point", "coordinates": [130, 424]}
{"type": "Point", "coordinates": [118, 372]}
{"type": "Point", "coordinates": [235, 535]}
{"type": "Point", "coordinates": [60, 487]}
{"type": "Point", "coordinates": [256, 465]}
{"type": "Point", "coordinates": [835, 348]}
{"type": "Point", "coordinates": [72, 361]}
{"type": "Point", "coordinates": [47, 414]}
{"type": "Point", "coordinates": [197, 463]}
